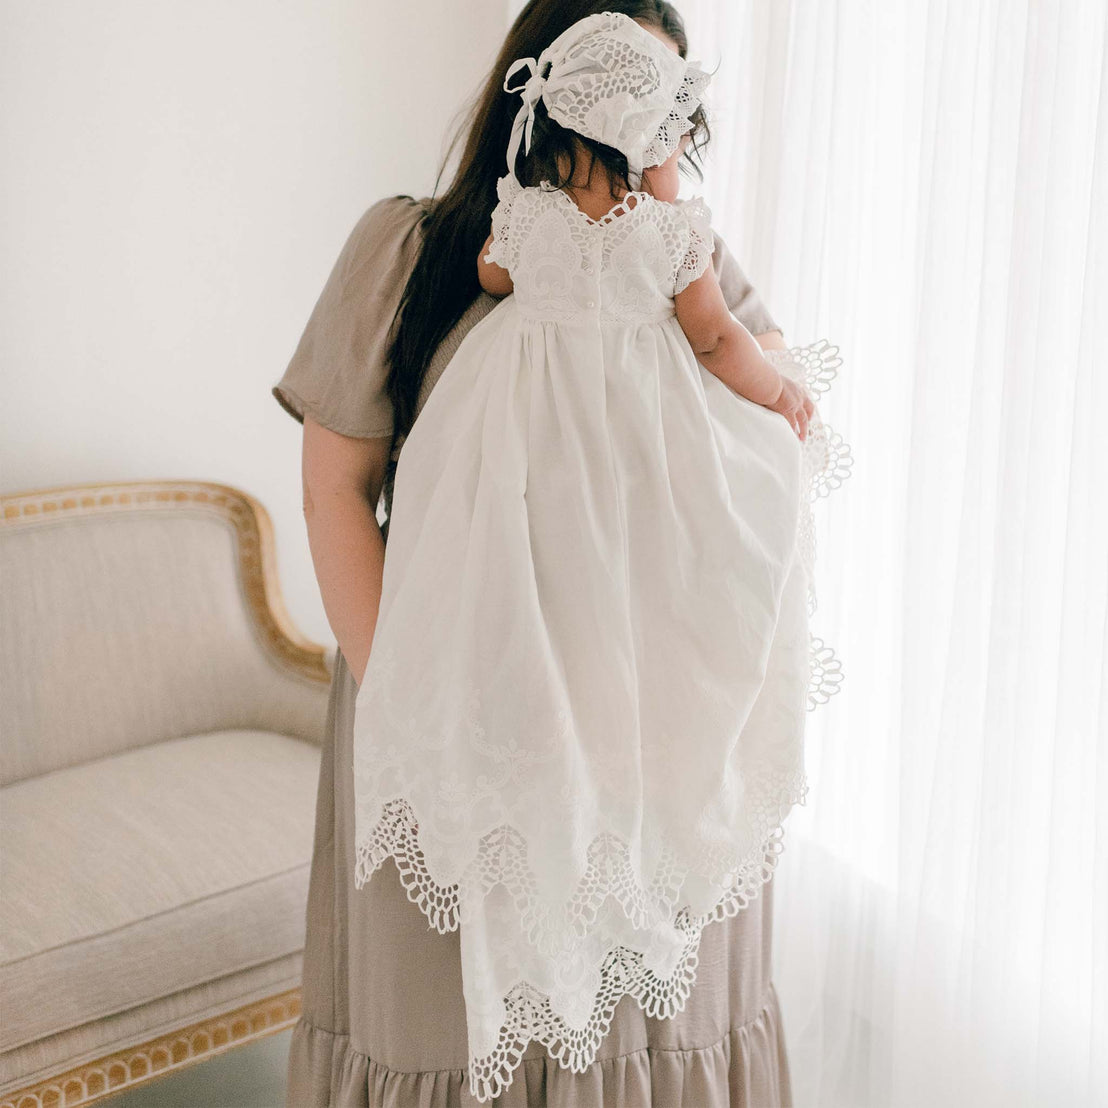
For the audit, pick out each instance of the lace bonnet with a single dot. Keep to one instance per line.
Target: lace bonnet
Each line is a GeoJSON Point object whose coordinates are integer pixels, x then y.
{"type": "Point", "coordinates": [610, 80]}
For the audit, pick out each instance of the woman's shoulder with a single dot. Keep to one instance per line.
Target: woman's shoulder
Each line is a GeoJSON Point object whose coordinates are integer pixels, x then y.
{"type": "Point", "coordinates": [384, 240]}
{"type": "Point", "coordinates": [398, 209]}
{"type": "Point", "coordinates": [390, 220]}
{"type": "Point", "coordinates": [339, 371]}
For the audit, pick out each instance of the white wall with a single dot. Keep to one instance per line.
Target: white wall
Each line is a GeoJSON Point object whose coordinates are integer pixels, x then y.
{"type": "Point", "coordinates": [178, 179]}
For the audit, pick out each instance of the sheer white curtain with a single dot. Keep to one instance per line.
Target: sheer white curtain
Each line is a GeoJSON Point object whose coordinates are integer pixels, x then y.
{"type": "Point", "coordinates": [925, 182]}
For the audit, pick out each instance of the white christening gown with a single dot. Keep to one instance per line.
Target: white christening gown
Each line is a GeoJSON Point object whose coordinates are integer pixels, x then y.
{"type": "Point", "coordinates": [581, 723]}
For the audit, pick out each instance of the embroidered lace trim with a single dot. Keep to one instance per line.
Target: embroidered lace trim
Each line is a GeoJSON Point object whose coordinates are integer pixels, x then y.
{"type": "Point", "coordinates": [614, 84]}
{"type": "Point", "coordinates": [545, 268]}
{"type": "Point", "coordinates": [503, 250]}
{"type": "Point", "coordinates": [826, 462]}
{"type": "Point", "coordinates": [702, 241]}
{"type": "Point", "coordinates": [685, 226]}
{"type": "Point", "coordinates": [677, 122]}
{"type": "Point", "coordinates": [501, 859]}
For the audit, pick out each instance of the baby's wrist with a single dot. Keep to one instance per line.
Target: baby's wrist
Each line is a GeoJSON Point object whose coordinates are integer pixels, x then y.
{"type": "Point", "coordinates": [780, 388]}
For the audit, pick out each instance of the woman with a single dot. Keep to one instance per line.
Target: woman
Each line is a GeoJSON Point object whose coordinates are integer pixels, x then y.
{"type": "Point", "coordinates": [384, 1019]}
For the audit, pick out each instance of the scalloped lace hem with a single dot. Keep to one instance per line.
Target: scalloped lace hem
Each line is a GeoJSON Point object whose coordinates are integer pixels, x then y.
{"type": "Point", "coordinates": [530, 1016]}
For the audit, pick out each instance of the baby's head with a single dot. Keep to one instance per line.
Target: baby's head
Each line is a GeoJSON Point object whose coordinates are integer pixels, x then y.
{"type": "Point", "coordinates": [612, 92]}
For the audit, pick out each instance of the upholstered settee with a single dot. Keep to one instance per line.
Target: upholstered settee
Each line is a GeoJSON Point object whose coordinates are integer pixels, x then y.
{"type": "Point", "coordinates": [160, 722]}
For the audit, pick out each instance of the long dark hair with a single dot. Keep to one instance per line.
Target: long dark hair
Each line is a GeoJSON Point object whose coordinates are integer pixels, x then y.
{"type": "Point", "coordinates": [443, 282]}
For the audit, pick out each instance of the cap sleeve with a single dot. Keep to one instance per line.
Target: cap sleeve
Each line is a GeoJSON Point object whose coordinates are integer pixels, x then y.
{"type": "Point", "coordinates": [698, 244]}
{"type": "Point", "coordinates": [741, 296]}
{"type": "Point", "coordinates": [339, 371]}
{"type": "Point", "coordinates": [504, 248]}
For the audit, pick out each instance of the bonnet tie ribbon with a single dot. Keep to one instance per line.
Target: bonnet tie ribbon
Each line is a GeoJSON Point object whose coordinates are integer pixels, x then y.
{"type": "Point", "coordinates": [525, 118]}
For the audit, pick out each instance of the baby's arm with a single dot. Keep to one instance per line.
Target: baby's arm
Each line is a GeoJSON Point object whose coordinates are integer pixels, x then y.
{"type": "Point", "coordinates": [722, 344]}
{"type": "Point", "coordinates": [495, 279]}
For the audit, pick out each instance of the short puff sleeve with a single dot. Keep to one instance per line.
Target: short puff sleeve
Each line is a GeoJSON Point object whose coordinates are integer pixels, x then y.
{"type": "Point", "coordinates": [699, 243]}
{"type": "Point", "coordinates": [339, 371]}
{"type": "Point", "coordinates": [504, 248]}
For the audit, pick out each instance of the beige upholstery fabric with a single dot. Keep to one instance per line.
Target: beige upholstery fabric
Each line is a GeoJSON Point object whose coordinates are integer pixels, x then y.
{"type": "Point", "coordinates": [126, 628]}
{"type": "Point", "coordinates": [159, 742]}
{"type": "Point", "coordinates": [151, 871]}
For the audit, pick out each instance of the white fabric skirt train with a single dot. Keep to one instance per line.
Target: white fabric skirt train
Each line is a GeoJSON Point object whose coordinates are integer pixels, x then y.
{"type": "Point", "coordinates": [581, 724]}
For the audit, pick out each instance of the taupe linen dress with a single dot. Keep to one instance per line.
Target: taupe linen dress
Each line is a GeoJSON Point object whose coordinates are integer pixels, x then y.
{"type": "Point", "coordinates": [383, 1023]}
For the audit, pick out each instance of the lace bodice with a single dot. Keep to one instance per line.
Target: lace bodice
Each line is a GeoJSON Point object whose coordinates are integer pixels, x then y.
{"type": "Point", "coordinates": [627, 266]}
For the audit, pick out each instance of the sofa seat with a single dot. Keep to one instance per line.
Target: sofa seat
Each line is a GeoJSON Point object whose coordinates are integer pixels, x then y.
{"type": "Point", "coordinates": [157, 869]}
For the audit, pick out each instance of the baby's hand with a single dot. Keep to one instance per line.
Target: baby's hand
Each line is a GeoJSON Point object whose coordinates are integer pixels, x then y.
{"type": "Point", "coordinates": [795, 405]}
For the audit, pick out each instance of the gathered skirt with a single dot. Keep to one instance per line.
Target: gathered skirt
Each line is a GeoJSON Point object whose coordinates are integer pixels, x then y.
{"type": "Point", "coordinates": [384, 1026]}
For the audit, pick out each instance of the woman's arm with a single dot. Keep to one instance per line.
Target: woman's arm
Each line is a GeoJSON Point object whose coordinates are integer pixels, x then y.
{"type": "Point", "coordinates": [495, 279]}
{"type": "Point", "coordinates": [342, 481]}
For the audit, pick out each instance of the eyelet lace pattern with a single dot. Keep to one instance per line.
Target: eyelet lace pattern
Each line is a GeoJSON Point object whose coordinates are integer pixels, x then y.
{"type": "Point", "coordinates": [702, 241]}
{"type": "Point", "coordinates": [626, 266]}
{"type": "Point", "coordinates": [527, 1011]}
{"type": "Point", "coordinates": [621, 87]}
{"type": "Point", "coordinates": [677, 123]}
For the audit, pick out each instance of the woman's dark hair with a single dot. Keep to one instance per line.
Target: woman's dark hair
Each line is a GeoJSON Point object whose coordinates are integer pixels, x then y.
{"type": "Point", "coordinates": [443, 282]}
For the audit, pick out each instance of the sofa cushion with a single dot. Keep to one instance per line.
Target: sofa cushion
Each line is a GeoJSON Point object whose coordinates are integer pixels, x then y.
{"type": "Point", "coordinates": [151, 870]}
